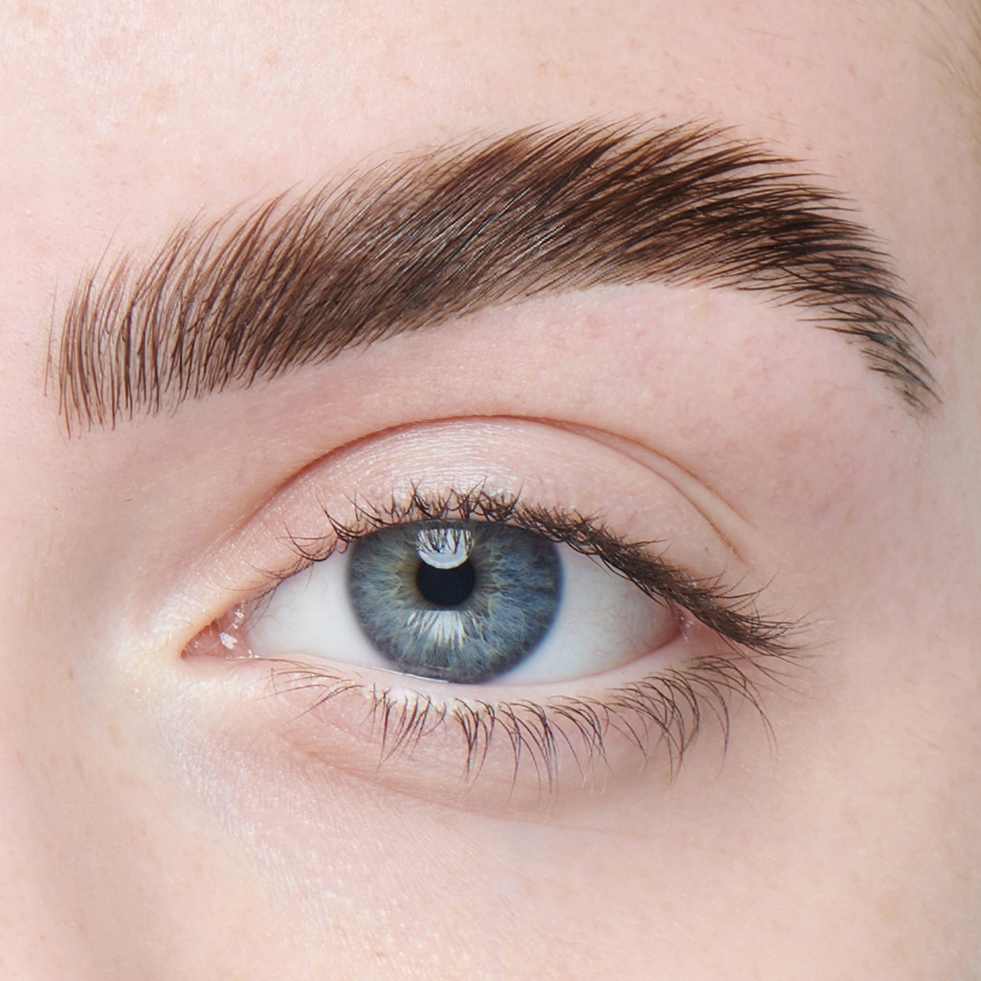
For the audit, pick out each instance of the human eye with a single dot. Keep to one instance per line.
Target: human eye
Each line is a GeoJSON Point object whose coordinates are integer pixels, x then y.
{"type": "Point", "coordinates": [462, 631]}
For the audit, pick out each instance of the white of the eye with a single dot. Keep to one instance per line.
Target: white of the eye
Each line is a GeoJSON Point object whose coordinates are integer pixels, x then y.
{"type": "Point", "coordinates": [603, 622]}
{"type": "Point", "coordinates": [444, 548]}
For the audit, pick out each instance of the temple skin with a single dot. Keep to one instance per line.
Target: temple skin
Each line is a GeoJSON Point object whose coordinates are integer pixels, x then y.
{"type": "Point", "coordinates": [160, 821]}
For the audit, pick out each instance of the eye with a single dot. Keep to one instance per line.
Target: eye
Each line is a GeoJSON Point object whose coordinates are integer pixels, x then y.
{"type": "Point", "coordinates": [437, 619]}
{"type": "Point", "coordinates": [463, 602]}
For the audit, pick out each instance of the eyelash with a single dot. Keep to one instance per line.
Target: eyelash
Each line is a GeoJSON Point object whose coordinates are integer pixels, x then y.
{"type": "Point", "coordinates": [662, 710]}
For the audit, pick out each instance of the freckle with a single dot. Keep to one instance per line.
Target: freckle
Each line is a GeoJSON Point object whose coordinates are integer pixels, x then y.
{"type": "Point", "coordinates": [159, 99]}
{"type": "Point", "coordinates": [35, 14]}
{"type": "Point", "coordinates": [889, 907]}
{"type": "Point", "coordinates": [791, 440]}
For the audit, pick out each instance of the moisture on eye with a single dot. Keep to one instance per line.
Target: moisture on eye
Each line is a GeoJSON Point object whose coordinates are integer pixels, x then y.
{"type": "Point", "coordinates": [444, 546]}
{"type": "Point", "coordinates": [455, 601]}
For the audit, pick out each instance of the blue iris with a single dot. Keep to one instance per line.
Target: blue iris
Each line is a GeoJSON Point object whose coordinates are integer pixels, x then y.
{"type": "Point", "coordinates": [454, 600]}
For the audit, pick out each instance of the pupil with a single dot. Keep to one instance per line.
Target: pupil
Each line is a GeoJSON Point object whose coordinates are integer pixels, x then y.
{"type": "Point", "coordinates": [445, 587]}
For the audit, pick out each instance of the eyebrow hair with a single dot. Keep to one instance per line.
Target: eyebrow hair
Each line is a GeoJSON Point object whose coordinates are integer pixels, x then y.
{"type": "Point", "coordinates": [449, 231]}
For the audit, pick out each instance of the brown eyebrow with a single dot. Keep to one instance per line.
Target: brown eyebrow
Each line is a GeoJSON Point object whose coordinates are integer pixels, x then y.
{"type": "Point", "coordinates": [450, 231]}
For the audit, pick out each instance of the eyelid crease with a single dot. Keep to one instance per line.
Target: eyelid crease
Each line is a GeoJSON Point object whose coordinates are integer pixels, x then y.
{"type": "Point", "coordinates": [173, 616]}
{"type": "Point", "coordinates": [732, 527]}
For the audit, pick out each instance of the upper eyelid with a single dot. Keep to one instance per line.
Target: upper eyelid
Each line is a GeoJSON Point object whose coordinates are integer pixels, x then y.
{"type": "Point", "coordinates": [724, 518]}
{"type": "Point", "coordinates": [531, 459]}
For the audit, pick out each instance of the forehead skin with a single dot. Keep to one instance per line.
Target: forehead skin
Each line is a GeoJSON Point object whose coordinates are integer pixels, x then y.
{"type": "Point", "coordinates": [120, 121]}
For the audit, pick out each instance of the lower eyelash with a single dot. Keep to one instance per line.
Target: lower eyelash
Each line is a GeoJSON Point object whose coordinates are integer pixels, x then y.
{"type": "Point", "coordinates": [661, 713]}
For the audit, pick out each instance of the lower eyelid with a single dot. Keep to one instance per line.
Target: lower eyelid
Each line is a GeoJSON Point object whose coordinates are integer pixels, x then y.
{"type": "Point", "coordinates": [516, 746]}
{"type": "Point", "coordinates": [524, 756]}
{"type": "Point", "coordinates": [521, 747]}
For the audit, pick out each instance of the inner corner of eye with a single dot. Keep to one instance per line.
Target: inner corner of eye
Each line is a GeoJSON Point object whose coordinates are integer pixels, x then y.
{"type": "Point", "coordinates": [225, 636]}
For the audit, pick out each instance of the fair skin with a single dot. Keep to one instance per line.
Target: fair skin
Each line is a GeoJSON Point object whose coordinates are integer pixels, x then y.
{"type": "Point", "coordinates": [160, 820]}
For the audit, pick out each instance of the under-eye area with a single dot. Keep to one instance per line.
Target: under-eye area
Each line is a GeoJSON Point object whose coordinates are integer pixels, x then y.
{"type": "Point", "coordinates": [474, 645]}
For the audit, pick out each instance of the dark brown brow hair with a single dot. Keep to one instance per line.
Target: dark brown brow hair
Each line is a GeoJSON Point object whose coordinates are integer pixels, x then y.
{"type": "Point", "coordinates": [452, 230]}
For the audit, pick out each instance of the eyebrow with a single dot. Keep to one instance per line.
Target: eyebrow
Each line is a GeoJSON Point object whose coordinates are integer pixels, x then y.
{"type": "Point", "coordinates": [448, 231]}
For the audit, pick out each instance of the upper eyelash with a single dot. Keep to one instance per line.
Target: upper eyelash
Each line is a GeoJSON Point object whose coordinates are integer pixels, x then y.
{"type": "Point", "coordinates": [728, 612]}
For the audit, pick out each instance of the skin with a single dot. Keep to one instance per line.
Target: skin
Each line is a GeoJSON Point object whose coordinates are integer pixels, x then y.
{"type": "Point", "coordinates": [159, 821]}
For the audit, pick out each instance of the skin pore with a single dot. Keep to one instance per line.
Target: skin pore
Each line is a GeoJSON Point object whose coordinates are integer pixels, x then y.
{"type": "Point", "coordinates": [172, 809]}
